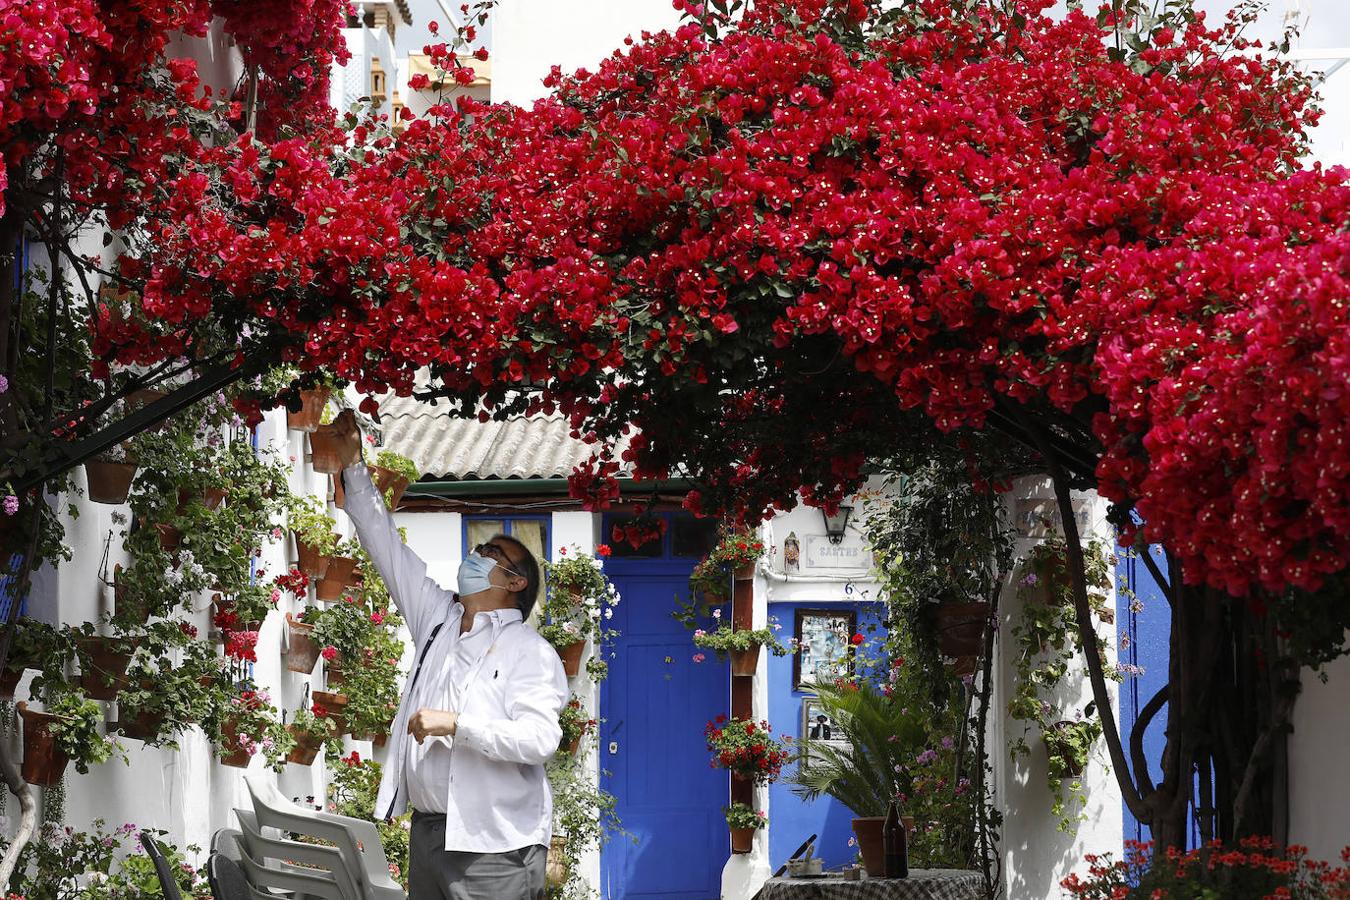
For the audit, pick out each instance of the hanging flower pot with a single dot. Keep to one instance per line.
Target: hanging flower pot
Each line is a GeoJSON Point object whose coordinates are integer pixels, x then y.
{"type": "Point", "coordinates": [571, 657]}
{"type": "Point", "coordinates": [556, 868]}
{"type": "Point", "coordinates": [324, 455]}
{"type": "Point", "coordinates": [333, 674]}
{"type": "Point", "coordinates": [309, 560]}
{"type": "Point", "coordinates": [109, 481]}
{"type": "Point", "coordinates": [376, 738]}
{"type": "Point", "coordinates": [868, 832]}
{"type": "Point", "coordinates": [328, 590]}
{"type": "Point", "coordinates": [341, 569]}
{"type": "Point", "coordinates": [43, 761]}
{"type": "Point", "coordinates": [307, 746]}
{"type": "Point", "coordinates": [143, 726]}
{"type": "Point", "coordinates": [311, 410]}
{"type": "Point", "coordinates": [230, 753]}
{"type": "Point", "coordinates": [129, 609]}
{"type": "Point", "coordinates": [742, 840]}
{"type": "Point", "coordinates": [103, 667]}
{"type": "Point", "coordinates": [170, 538]}
{"type": "Point", "coordinates": [960, 627]}
{"type": "Point", "coordinates": [390, 484]}
{"type": "Point", "coordinates": [745, 662]}
{"type": "Point", "coordinates": [211, 498]}
{"type": "Point", "coordinates": [745, 572]}
{"type": "Point", "coordinates": [301, 651]}
{"type": "Point", "coordinates": [335, 704]}
{"type": "Point", "coordinates": [1065, 760]}
{"type": "Point", "coordinates": [9, 681]}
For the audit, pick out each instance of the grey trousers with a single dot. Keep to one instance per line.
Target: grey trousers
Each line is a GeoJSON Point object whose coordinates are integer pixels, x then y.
{"type": "Point", "coordinates": [435, 873]}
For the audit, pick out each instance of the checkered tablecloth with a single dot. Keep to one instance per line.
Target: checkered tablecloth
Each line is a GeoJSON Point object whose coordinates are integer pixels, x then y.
{"type": "Point", "coordinates": [922, 884]}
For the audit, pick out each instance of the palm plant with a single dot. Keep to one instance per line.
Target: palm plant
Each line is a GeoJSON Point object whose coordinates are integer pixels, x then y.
{"type": "Point", "coordinates": [865, 770]}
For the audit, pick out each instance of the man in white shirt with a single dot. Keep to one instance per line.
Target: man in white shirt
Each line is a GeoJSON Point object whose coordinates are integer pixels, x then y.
{"type": "Point", "coordinates": [479, 714]}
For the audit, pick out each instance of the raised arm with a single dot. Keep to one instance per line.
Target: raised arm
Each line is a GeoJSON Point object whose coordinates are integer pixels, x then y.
{"type": "Point", "coordinates": [419, 598]}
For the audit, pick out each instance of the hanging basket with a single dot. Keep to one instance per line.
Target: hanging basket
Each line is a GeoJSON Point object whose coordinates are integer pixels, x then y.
{"type": "Point", "coordinates": [390, 484]}
{"type": "Point", "coordinates": [106, 673]}
{"type": "Point", "coordinates": [960, 627]}
{"type": "Point", "coordinates": [324, 456]}
{"type": "Point", "coordinates": [745, 662]}
{"type": "Point", "coordinates": [144, 726]}
{"type": "Point", "coordinates": [307, 747]}
{"type": "Point", "coordinates": [109, 482]}
{"type": "Point", "coordinates": [1059, 747]}
{"type": "Point", "coordinates": [127, 609]}
{"type": "Point", "coordinates": [571, 657]}
{"type": "Point", "coordinates": [745, 572]}
{"type": "Point", "coordinates": [309, 560]}
{"type": "Point", "coordinates": [43, 761]}
{"type": "Point", "coordinates": [301, 651]}
{"type": "Point", "coordinates": [742, 840]}
{"type": "Point", "coordinates": [335, 704]}
{"type": "Point", "coordinates": [311, 410]}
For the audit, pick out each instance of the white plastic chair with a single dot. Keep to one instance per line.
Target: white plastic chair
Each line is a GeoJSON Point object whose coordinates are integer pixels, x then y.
{"type": "Point", "coordinates": [357, 840]}
{"type": "Point", "coordinates": [265, 848]}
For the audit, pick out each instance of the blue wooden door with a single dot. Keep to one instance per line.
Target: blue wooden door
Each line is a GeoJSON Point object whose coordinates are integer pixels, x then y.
{"type": "Point", "coordinates": [655, 704]}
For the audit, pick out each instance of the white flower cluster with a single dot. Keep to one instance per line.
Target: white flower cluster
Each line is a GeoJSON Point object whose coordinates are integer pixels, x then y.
{"type": "Point", "coordinates": [188, 569]}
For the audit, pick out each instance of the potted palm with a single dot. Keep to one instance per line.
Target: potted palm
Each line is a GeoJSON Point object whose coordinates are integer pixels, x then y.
{"type": "Point", "coordinates": [578, 601]}
{"type": "Point", "coordinates": [744, 820]}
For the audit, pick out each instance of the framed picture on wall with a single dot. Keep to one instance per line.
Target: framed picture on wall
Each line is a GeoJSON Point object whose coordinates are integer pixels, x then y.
{"type": "Point", "coordinates": [817, 728]}
{"type": "Point", "coordinates": [823, 641]}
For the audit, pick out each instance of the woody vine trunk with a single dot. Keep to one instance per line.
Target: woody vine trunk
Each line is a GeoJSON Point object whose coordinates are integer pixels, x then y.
{"type": "Point", "coordinates": [1228, 701]}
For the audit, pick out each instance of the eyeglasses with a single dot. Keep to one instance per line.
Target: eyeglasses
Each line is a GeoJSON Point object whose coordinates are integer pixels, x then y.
{"type": "Point", "coordinates": [498, 556]}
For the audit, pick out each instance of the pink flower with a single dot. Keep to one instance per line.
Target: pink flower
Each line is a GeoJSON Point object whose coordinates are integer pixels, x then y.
{"type": "Point", "coordinates": [329, 653]}
{"type": "Point", "coordinates": [699, 657]}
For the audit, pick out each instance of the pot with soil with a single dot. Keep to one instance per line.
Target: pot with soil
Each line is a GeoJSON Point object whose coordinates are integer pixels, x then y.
{"type": "Point", "coordinates": [335, 704]}
{"type": "Point", "coordinates": [103, 665]}
{"type": "Point", "coordinates": [744, 662]}
{"type": "Point", "coordinates": [311, 410]}
{"type": "Point", "coordinates": [307, 746]}
{"type": "Point", "coordinates": [324, 455]}
{"type": "Point", "coordinates": [571, 657]}
{"type": "Point", "coordinates": [390, 484]}
{"type": "Point", "coordinates": [960, 627]}
{"type": "Point", "coordinates": [109, 480]}
{"type": "Point", "coordinates": [301, 651]}
{"type": "Point", "coordinates": [867, 829]}
{"type": "Point", "coordinates": [309, 560]}
{"type": "Point", "coordinates": [43, 761]}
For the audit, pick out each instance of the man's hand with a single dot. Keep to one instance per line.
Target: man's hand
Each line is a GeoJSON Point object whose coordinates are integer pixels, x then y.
{"type": "Point", "coordinates": [348, 437]}
{"type": "Point", "coordinates": [432, 723]}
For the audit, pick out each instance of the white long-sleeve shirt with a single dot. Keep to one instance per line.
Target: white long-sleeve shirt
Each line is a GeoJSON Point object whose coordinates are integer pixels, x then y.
{"type": "Point", "coordinates": [504, 680]}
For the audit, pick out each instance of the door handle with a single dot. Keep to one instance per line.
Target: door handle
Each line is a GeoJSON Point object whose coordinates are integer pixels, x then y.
{"type": "Point", "coordinates": [613, 748]}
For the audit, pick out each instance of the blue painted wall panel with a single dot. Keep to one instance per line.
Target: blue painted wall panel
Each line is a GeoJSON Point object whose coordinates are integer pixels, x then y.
{"type": "Point", "coordinates": [792, 819]}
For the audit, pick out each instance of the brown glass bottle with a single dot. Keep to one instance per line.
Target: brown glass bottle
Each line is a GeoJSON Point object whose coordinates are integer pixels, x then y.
{"type": "Point", "coordinates": [894, 844]}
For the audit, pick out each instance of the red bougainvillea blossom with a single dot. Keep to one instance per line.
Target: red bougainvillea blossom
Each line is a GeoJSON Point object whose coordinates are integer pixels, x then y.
{"type": "Point", "coordinates": [761, 251]}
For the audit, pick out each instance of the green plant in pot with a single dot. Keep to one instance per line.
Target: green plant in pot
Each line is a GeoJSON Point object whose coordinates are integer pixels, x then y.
{"type": "Point", "coordinates": [711, 581]}
{"type": "Point", "coordinates": [247, 724]}
{"type": "Point", "coordinates": [745, 748]}
{"type": "Point", "coordinates": [37, 645]}
{"type": "Point", "coordinates": [161, 700]}
{"type": "Point", "coordinates": [744, 820]}
{"type": "Point", "coordinates": [578, 601]}
{"type": "Point", "coordinates": [68, 730]}
{"type": "Point", "coordinates": [575, 722]}
{"type": "Point", "coordinates": [315, 536]}
{"type": "Point", "coordinates": [310, 728]}
{"type": "Point", "coordinates": [743, 645]}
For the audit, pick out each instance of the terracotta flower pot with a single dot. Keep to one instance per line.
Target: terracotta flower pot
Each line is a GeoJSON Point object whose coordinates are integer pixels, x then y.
{"type": "Point", "coordinates": [109, 482]}
{"type": "Point", "coordinates": [376, 738]}
{"type": "Point", "coordinates": [144, 726]}
{"type": "Point", "coordinates": [556, 870]}
{"type": "Point", "coordinates": [1056, 745]}
{"type": "Point", "coordinates": [211, 498]}
{"type": "Point", "coordinates": [43, 761]}
{"type": "Point", "coordinates": [335, 704]}
{"type": "Point", "coordinates": [745, 572]}
{"type": "Point", "coordinates": [868, 832]}
{"type": "Point", "coordinates": [742, 616]}
{"type": "Point", "coordinates": [333, 673]}
{"type": "Point", "coordinates": [9, 682]}
{"type": "Point", "coordinates": [960, 627]}
{"type": "Point", "coordinates": [311, 410]}
{"type": "Point", "coordinates": [301, 651]}
{"type": "Point", "coordinates": [571, 657]}
{"type": "Point", "coordinates": [390, 484]}
{"type": "Point", "coordinates": [309, 560]}
{"type": "Point", "coordinates": [329, 590]}
{"type": "Point", "coordinates": [307, 747]}
{"type": "Point", "coordinates": [230, 753]}
{"type": "Point", "coordinates": [128, 609]}
{"type": "Point", "coordinates": [106, 673]}
{"type": "Point", "coordinates": [170, 538]}
{"type": "Point", "coordinates": [324, 456]}
{"type": "Point", "coordinates": [341, 569]}
{"type": "Point", "coordinates": [743, 839]}
{"type": "Point", "coordinates": [744, 662]}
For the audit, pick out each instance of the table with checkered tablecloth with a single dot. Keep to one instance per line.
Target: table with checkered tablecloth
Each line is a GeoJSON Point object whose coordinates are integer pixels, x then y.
{"type": "Point", "coordinates": [922, 884]}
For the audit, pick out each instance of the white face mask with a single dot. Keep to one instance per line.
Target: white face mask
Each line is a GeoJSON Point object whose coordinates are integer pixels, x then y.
{"type": "Point", "coordinates": [473, 575]}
